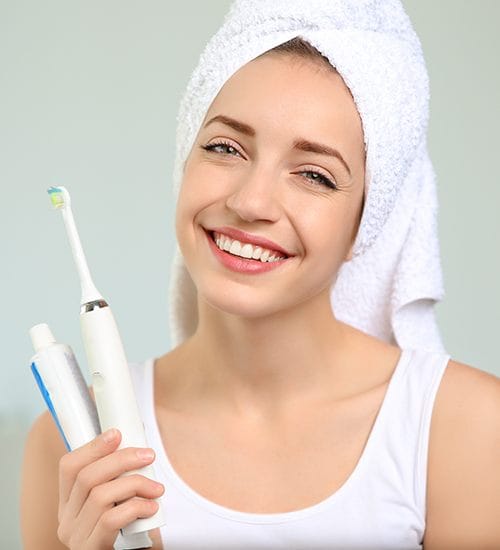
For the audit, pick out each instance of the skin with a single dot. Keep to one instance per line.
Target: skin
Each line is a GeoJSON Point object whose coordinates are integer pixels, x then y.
{"type": "Point", "coordinates": [285, 357]}
{"type": "Point", "coordinates": [263, 187]}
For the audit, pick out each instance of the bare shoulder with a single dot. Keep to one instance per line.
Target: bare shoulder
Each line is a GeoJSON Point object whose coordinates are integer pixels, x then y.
{"type": "Point", "coordinates": [463, 479]}
{"type": "Point", "coordinates": [39, 485]}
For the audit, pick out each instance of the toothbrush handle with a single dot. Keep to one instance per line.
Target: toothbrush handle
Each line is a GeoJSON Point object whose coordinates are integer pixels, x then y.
{"type": "Point", "coordinates": [114, 394]}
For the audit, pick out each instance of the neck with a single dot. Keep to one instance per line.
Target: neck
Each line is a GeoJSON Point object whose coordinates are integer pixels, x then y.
{"type": "Point", "coordinates": [266, 366]}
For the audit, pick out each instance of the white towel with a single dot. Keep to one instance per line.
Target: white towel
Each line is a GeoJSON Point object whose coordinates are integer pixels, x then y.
{"type": "Point", "coordinates": [391, 285]}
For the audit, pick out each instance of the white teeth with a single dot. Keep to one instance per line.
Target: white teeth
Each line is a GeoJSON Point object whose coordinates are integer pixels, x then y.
{"type": "Point", "coordinates": [257, 251]}
{"type": "Point", "coordinates": [245, 250]}
{"type": "Point", "coordinates": [235, 248]}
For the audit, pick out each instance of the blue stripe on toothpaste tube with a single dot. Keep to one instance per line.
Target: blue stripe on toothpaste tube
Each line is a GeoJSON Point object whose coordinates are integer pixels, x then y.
{"type": "Point", "coordinates": [63, 388]}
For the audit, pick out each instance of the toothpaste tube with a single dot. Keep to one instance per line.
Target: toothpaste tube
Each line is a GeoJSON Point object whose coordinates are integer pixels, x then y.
{"type": "Point", "coordinates": [63, 388]}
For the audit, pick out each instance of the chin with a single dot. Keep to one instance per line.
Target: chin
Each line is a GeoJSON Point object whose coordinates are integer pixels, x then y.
{"type": "Point", "coordinates": [241, 302]}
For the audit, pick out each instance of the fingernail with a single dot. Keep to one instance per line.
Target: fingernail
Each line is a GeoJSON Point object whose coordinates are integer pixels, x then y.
{"type": "Point", "coordinates": [145, 454]}
{"type": "Point", "coordinates": [109, 435]}
{"type": "Point", "coordinates": [161, 488]}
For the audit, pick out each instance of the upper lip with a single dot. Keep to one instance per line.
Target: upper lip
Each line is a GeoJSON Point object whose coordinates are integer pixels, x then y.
{"type": "Point", "coordinates": [243, 236]}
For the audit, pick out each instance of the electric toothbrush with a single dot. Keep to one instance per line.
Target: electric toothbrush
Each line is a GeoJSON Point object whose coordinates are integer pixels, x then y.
{"type": "Point", "coordinates": [113, 389]}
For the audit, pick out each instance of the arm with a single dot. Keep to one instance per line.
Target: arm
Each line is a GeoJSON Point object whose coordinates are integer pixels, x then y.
{"type": "Point", "coordinates": [463, 485]}
{"type": "Point", "coordinates": [39, 486]}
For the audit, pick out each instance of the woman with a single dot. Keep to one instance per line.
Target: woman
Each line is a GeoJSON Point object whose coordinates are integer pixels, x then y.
{"type": "Point", "coordinates": [296, 405]}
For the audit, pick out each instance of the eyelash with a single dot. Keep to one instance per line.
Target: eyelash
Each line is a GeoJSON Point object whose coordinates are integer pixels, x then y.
{"type": "Point", "coordinates": [322, 178]}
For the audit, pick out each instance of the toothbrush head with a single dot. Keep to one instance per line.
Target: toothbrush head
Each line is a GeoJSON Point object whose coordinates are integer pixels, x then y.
{"type": "Point", "coordinates": [59, 196]}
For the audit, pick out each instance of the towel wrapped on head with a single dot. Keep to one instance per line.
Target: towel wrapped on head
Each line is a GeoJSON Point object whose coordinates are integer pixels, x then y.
{"type": "Point", "coordinates": [390, 286]}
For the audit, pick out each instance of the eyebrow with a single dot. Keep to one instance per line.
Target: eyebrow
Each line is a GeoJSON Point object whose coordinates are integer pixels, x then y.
{"type": "Point", "coordinates": [300, 143]}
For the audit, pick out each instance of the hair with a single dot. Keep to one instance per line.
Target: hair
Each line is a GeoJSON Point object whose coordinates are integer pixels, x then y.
{"type": "Point", "coordinates": [298, 47]}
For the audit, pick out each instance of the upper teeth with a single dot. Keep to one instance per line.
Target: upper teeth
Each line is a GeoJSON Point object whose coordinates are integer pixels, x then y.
{"type": "Point", "coordinates": [245, 250]}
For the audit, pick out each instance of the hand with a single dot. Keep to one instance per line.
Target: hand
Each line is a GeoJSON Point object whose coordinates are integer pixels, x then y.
{"type": "Point", "coordinates": [89, 487]}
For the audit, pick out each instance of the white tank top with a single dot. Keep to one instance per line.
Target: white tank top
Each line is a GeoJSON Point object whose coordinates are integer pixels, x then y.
{"type": "Point", "coordinates": [381, 506]}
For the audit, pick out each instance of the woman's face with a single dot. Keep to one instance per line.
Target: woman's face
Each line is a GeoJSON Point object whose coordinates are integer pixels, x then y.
{"type": "Point", "coordinates": [260, 176]}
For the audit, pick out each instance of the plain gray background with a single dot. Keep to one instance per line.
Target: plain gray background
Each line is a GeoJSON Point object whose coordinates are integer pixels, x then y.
{"type": "Point", "coordinates": [89, 94]}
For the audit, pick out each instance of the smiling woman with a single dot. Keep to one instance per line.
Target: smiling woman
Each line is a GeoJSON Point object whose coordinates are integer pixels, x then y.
{"type": "Point", "coordinates": [295, 408]}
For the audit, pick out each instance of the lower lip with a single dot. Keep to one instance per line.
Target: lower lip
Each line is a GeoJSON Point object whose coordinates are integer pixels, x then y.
{"type": "Point", "coordinates": [241, 265]}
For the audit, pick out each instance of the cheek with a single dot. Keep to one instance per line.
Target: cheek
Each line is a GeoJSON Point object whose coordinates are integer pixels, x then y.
{"type": "Point", "coordinates": [201, 186]}
{"type": "Point", "coordinates": [326, 235]}
{"type": "Point", "coordinates": [196, 194]}
{"type": "Point", "coordinates": [191, 195]}
{"type": "Point", "coordinates": [327, 226]}
{"type": "Point", "coordinates": [186, 210]}
{"type": "Point", "coordinates": [180, 209]}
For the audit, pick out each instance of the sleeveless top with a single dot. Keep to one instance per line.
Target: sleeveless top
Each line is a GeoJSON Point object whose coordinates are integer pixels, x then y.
{"type": "Point", "coordinates": [380, 506]}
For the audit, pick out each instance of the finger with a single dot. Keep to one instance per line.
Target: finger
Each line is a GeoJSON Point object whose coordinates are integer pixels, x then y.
{"type": "Point", "coordinates": [71, 463]}
{"type": "Point", "coordinates": [102, 471]}
{"type": "Point", "coordinates": [118, 517]}
{"type": "Point", "coordinates": [103, 497]}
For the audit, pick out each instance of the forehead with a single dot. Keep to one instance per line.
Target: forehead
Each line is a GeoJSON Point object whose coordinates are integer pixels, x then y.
{"type": "Point", "coordinates": [286, 66]}
{"type": "Point", "coordinates": [291, 96]}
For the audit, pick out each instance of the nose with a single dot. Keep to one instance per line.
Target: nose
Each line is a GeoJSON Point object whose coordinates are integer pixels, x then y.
{"type": "Point", "coordinates": [255, 195]}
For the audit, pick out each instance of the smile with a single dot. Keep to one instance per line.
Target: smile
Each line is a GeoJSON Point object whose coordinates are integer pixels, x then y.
{"type": "Point", "coordinates": [245, 250]}
{"type": "Point", "coordinates": [243, 257]}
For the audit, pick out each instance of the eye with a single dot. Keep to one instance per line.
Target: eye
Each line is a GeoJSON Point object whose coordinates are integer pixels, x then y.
{"type": "Point", "coordinates": [223, 145]}
{"type": "Point", "coordinates": [318, 177]}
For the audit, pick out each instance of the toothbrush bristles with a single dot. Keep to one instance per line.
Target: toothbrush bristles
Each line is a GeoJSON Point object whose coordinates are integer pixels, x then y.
{"type": "Point", "coordinates": [56, 196]}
